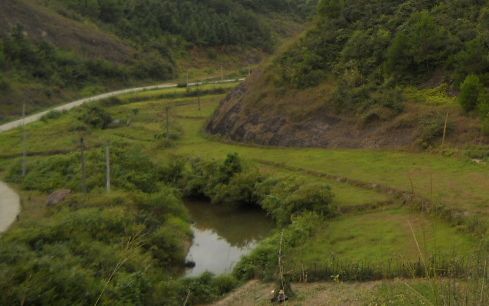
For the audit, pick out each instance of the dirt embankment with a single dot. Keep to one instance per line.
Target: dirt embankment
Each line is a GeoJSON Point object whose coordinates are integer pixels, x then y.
{"type": "Point", "coordinates": [257, 112]}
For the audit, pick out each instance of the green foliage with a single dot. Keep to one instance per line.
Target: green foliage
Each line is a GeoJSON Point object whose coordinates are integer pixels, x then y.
{"type": "Point", "coordinates": [469, 94]}
{"type": "Point", "coordinates": [95, 117]}
{"type": "Point", "coordinates": [331, 9]}
{"type": "Point", "coordinates": [43, 62]}
{"type": "Point", "coordinates": [153, 66]}
{"type": "Point", "coordinates": [290, 197]}
{"type": "Point", "coordinates": [51, 115]}
{"type": "Point", "coordinates": [241, 190]}
{"type": "Point", "coordinates": [229, 183]}
{"type": "Point", "coordinates": [410, 43]}
{"type": "Point", "coordinates": [131, 170]}
{"type": "Point", "coordinates": [203, 23]}
{"type": "Point", "coordinates": [432, 129]}
{"type": "Point", "coordinates": [67, 259]}
{"type": "Point", "coordinates": [262, 262]}
{"type": "Point", "coordinates": [205, 179]}
{"type": "Point", "coordinates": [418, 48]}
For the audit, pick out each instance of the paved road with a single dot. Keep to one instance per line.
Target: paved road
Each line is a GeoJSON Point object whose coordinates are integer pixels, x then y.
{"type": "Point", "coordinates": [36, 117]}
{"type": "Point", "coordinates": [9, 200]}
{"type": "Point", "coordinates": [9, 207]}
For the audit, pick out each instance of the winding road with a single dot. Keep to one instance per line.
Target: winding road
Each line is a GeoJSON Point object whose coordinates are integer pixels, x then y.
{"type": "Point", "coordinates": [9, 199]}
{"type": "Point", "coordinates": [9, 206]}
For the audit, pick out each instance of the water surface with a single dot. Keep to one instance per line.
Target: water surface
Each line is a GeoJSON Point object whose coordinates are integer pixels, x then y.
{"type": "Point", "coordinates": [223, 235]}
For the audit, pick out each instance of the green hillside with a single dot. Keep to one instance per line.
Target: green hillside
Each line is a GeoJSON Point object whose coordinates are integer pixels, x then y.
{"type": "Point", "coordinates": [374, 70]}
{"type": "Point", "coordinates": [54, 51]}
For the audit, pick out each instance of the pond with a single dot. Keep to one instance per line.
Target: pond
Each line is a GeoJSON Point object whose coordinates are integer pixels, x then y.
{"type": "Point", "coordinates": [222, 235]}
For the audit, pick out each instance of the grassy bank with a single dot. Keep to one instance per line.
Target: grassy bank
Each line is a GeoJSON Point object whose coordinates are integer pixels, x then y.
{"type": "Point", "coordinates": [372, 227]}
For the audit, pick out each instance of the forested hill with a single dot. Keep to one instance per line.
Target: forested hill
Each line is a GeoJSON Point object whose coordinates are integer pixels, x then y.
{"type": "Point", "coordinates": [199, 22]}
{"type": "Point", "coordinates": [56, 50]}
{"type": "Point", "coordinates": [360, 68]}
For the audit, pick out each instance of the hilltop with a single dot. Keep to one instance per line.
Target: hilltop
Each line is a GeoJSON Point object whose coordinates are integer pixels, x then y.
{"type": "Point", "coordinates": [371, 74]}
{"type": "Point", "coordinates": [53, 51]}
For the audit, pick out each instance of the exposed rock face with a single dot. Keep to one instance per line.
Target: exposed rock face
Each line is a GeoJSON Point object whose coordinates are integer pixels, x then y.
{"type": "Point", "coordinates": [58, 196]}
{"type": "Point", "coordinates": [238, 122]}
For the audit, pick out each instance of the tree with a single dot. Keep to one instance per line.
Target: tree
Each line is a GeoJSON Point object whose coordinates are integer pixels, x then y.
{"type": "Point", "coordinates": [469, 94]}
{"type": "Point", "coordinates": [332, 9]}
{"type": "Point", "coordinates": [419, 47]}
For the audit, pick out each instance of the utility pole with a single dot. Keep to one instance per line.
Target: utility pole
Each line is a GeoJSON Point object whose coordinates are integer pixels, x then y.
{"type": "Point", "coordinates": [198, 96]}
{"type": "Point", "coordinates": [167, 123]}
{"type": "Point", "coordinates": [83, 184]}
{"type": "Point", "coordinates": [107, 162]}
{"type": "Point", "coordinates": [24, 145]}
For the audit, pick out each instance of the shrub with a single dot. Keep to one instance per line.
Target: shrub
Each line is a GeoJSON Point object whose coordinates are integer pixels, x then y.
{"type": "Point", "coordinates": [262, 262]}
{"type": "Point", "coordinates": [292, 197]}
{"type": "Point", "coordinates": [168, 139]}
{"type": "Point", "coordinates": [469, 93]}
{"type": "Point", "coordinates": [167, 243]}
{"type": "Point", "coordinates": [131, 170]}
{"type": "Point", "coordinates": [95, 117]}
{"type": "Point", "coordinates": [153, 66]}
{"type": "Point", "coordinates": [241, 190]}
{"type": "Point", "coordinates": [432, 128]}
{"type": "Point", "coordinates": [52, 115]}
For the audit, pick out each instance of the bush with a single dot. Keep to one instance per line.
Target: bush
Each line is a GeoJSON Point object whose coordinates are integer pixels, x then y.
{"type": "Point", "coordinates": [67, 259]}
{"type": "Point", "coordinates": [153, 66]}
{"type": "Point", "coordinates": [131, 170]}
{"type": "Point", "coordinates": [469, 93]}
{"type": "Point", "coordinates": [241, 190]}
{"type": "Point", "coordinates": [205, 178]}
{"type": "Point", "coordinates": [292, 197]}
{"type": "Point", "coordinates": [167, 243]}
{"type": "Point", "coordinates": [262, 262]}
{"type": "Point", "coordinates": [95, 117]}
{"type": "Point", "coordinates": [51, 115]}
{"type": "Point", "coordinates": [432, 129]}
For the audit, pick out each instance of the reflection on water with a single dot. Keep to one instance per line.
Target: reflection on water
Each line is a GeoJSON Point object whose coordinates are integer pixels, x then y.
{"type": "Point", "coordinates": [223, 235]}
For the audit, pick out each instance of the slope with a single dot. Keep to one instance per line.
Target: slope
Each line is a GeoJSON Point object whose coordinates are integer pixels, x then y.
{"type": "Point", "coordinates": [53, 51]}
{"type": "Point", "coordinates": [370, 74]}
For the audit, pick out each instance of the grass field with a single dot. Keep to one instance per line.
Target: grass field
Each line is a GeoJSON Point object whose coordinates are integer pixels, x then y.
{"type": "Point", "coordinates": [376, 234]}
{"type": "Point", "coordinates": [382, 235]}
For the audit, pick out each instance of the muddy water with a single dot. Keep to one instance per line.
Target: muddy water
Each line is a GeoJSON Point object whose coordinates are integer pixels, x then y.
{"type": "Point", "coordinates": [223, 235]}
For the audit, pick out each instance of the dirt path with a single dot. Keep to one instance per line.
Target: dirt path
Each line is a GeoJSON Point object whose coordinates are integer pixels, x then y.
{"type": "Point", "coordinates": [256, 293]}
{"type": "Point", "coordinates": [9, 206]}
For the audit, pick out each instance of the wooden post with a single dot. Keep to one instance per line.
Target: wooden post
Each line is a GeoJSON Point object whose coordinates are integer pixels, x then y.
{"type": "Point", "coordinates": [24, 145]}
{"type": "Point", "coordinates": [107, 162]}
{"type": "Point", "coordinates": [83, 170]}
{"type": "Point", "coordinates": [222, 73]}
{"type": "Point", "coordinates": [445, 130]}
